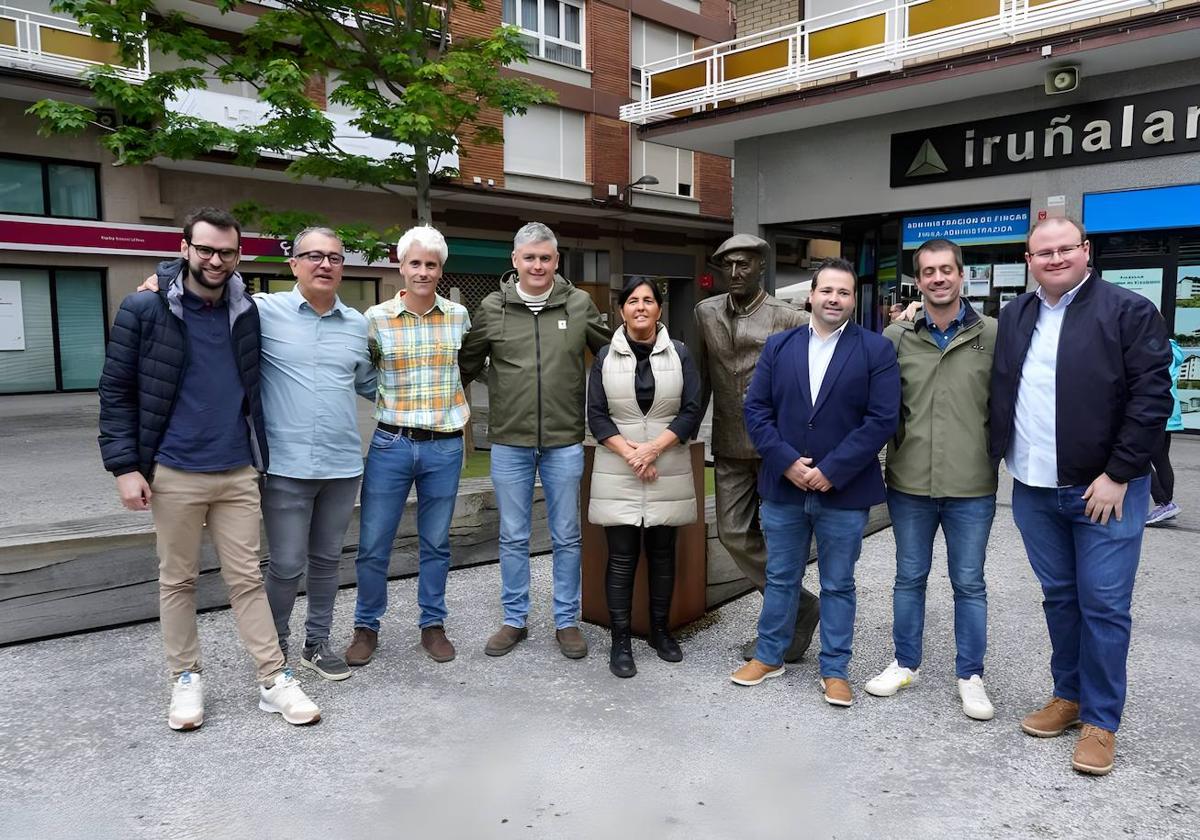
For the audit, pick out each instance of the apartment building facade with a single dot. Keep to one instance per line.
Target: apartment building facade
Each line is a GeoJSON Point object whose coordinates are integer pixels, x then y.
{"type": "Point", "coordinates": [883, 124]}
{"type": "Point", "coordinates": [77, 234]}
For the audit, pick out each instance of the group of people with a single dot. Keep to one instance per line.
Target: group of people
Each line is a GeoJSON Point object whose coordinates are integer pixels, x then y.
{"type": "Point", "coordinates": [206, 388]}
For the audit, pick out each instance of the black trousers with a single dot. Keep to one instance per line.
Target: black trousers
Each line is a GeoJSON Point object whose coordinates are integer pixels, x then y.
{"type": "Point", "coordinates": [624, 548]}
{"type": "Point", "coordinates": [1162, 476]}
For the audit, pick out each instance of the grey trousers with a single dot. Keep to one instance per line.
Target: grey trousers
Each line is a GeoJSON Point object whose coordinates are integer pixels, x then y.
{"type": "Point", "coordinates": [306, 522]}
{"type": "Point", "coordinates": [739, 530]}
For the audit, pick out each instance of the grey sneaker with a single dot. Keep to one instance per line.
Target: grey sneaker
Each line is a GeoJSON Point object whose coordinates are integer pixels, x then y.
{"type": "Point", "coordinates": [324, 661]}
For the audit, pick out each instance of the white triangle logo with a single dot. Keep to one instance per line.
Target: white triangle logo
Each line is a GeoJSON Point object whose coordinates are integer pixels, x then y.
{"type": "Point", "coordinates": [927, 162]}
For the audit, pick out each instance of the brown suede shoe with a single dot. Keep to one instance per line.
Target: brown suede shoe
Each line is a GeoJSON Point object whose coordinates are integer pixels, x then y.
{"type": "Point", "coordinates": [1094, 751]}
{"type": "Point", "coordinates": [505, 639]}
{"type": "Point", "coordinates": [754, 672]}
{"type": "Point", "coordinates": [362, 646]}
{"type": "Point", "coordinates": [571, 642]}
{"type": "Point", "coordinates": [439, 648]}
{"type": "Point", "coordinates": [1052, 720]}
{"type": "Point", "coordinates": [837, 691]}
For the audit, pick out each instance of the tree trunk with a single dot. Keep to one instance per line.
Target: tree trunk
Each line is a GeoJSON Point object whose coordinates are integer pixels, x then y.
{"type": "Point", "coordinates": [424, 204]}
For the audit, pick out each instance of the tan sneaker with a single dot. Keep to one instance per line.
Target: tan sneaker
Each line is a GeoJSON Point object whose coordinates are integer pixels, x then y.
{"type": "Point", "coordinates": [1052, 720]}
{"type": "Point", "coordinates": [754, 672]}
{"type": "Point", "coordinates": [362, 646]}
{"type": "Point", "coordinates": [505, 639]}
{"type": "Point", "coordinates": [837, 691]}
{"type": "Point", "coordinates": [1094, 751]}
{"type": "Point", "coordinates": [439, 648]}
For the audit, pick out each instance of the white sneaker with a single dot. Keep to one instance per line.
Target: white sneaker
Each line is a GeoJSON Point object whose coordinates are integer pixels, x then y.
{"type": "Point", "coordinates": [975, 700]}
{"type": "Point", "coordinates": [287, 698]}
{"type": "Point", "coordinates": [892, 679]}
{"type": "Point", "coordinates": [187, 702]}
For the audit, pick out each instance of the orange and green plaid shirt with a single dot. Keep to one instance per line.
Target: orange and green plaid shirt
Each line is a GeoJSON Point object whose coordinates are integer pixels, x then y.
{"type": "Point", "coordinates": [417, 357]}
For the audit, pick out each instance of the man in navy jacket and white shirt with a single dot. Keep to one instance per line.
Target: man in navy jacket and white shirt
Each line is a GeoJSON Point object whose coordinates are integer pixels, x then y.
{"type": "Point", "coordinates": [824, 400]}
{"type": "Point", "coordinates": [1079, 394]}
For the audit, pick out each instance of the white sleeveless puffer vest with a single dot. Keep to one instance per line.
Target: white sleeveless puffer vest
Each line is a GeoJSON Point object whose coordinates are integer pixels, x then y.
{"type": "Point", "coordinates": [618, 497]}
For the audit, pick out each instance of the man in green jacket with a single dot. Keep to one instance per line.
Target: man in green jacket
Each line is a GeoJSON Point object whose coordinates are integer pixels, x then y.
{"type": "Point", "coordinates": [535, 329]}
{"type": "Point", "coordinates": [939, 472]}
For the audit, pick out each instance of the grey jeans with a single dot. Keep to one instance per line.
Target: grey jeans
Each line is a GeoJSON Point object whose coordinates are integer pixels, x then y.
{"type": "Point", "coordinates": [306, 522]}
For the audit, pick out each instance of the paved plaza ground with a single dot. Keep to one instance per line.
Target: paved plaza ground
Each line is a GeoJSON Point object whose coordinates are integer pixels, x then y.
{"type": "Point", "coordinates": [535, 746]}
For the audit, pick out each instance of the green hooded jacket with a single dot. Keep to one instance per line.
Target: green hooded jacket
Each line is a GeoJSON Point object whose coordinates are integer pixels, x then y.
{"type": "Point", "coordinates": [536, 379]}
{"type": "Point", "coordinates": [941, 445]}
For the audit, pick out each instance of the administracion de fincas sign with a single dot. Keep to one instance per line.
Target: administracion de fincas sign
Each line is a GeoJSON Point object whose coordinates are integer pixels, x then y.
{"type": "Point", "coordinates": [968, 227]}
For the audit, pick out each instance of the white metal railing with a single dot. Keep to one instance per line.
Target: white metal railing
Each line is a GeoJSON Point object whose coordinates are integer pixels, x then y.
{"type": "Point", "coordinates": [1015, 18]}
{"type": "Point", "coordinates": [28, 52]}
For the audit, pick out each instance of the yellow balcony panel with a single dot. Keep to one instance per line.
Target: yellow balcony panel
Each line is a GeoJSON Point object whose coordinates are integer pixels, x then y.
{"type": "Point", "coordinates": [74, 45]}
{"type": "Point", "coordinates": [855, 35]}
{"type": "Point", "coordinates": [939, 14]}
{"type": "Point", "coordinates": [687, 77]}
{"type": "Point", "coordinates": [8, 32]}
{"type": "Point", "coordinates": [772, 56]}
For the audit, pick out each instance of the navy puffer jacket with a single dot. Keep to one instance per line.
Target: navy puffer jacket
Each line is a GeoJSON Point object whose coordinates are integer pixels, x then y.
{"type": "Point", "coordinates": [144, 364]}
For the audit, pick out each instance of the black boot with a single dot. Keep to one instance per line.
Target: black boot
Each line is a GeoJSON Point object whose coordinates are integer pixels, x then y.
{"type": "Point", "coordinates": [620, 660]}
{"type": "Point", "coordinates": [660, 552]}
{"type": "Point", "coordinates": [623, 551]}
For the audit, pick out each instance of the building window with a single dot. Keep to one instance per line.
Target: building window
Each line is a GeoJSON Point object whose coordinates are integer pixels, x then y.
{"type": "Point", "coordinates": [672, 167]}
{"type": "Point", "coordinates": [33, 187]}
{"type": "Point", "coordinates": [551, 29]}
{"type": "Point", "coordinates": [650, 42]}
{"type": "Point", "coordinates": [545, 141]}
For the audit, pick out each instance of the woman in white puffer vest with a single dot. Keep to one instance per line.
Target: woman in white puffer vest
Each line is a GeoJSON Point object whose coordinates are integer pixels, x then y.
{"type": "Point", "coordinates": [643, 406]}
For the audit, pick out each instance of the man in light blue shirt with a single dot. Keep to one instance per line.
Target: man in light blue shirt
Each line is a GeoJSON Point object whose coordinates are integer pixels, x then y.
{"type": "Point", "coordinates": [314, 361]}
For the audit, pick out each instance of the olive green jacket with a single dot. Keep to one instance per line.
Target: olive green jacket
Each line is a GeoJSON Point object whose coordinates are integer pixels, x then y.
{"type": "Point", "coordinates": [537, 376]}
{"type": "Point", "coordinates": [941, 445]}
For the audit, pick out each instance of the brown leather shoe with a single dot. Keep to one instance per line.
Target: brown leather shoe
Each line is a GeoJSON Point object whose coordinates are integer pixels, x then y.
{"type": "Point", "coordinates": [1052, 720]}
{"type": "Point", "coordinates": [754, 672]}
{"type": "Point", "coordinates": [439, 648]}
{"type": "Point", "coordinates": [505, 639]}
{"type": "Point", "coordinates": [571, 642]}
{"type": "Point", "coordinates": [1094, 751]}
{"type": "Point", "coordinates": [362, 646]}
{"type": "Point", "coordinates": [837, 691]}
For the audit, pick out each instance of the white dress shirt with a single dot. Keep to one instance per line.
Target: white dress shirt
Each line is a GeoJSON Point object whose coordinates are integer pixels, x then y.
{"type": "Point", "coordinates": [820, 354]}
{"type": "Point", "coordinates": [1032, 455]}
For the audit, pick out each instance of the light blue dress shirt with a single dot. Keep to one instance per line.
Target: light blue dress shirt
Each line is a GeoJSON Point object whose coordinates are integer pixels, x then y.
{"type": "Point", "coordinates": [1032, 456]}
{"type": "Point", "coordinates": [312, 367]}
{"type": "Point", "coordinates": [820, 354]}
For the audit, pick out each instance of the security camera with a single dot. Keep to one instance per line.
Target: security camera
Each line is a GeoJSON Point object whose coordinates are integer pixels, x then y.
{"type": "Point", "coordinates": [1062, 79]}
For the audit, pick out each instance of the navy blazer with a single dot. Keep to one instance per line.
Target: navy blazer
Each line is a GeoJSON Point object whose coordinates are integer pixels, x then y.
{"type": "Point", "coordinates": [843, 430]}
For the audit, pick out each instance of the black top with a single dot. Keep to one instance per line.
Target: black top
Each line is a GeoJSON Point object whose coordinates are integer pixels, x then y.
{"type": "Point", "coordinates": [686, 423]}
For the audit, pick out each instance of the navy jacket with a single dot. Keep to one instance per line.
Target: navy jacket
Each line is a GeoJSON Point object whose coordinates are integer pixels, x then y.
{"type": "Point", "coordinates": [852, 419]}
{"type": "Point", "coordinates": [144, 364]}
{"type": "Point", "coordinates": [1113, 388]}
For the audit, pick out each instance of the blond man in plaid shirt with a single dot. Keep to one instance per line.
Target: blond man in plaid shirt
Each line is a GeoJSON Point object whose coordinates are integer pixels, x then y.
{"type": "Point", "coordinates": [421, 409]}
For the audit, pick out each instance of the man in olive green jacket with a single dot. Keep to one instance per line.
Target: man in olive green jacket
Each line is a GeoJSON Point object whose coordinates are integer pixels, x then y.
{"type": "Point", "coordinates": [939, 472]}
{"type": "Point", "coordinates": [535, 328]}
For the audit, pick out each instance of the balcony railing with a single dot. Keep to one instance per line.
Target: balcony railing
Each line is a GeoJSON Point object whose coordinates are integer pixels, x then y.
{"type": "Point", "coordinates": [58, 45]}
{"type": "Point", "coordinates": [873, 37]}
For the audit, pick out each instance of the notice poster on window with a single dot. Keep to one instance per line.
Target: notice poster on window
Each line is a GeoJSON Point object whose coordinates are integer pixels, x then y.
{"type": "Point", "coordinates": [12, 318]}
{"type": "Point", "coordinates": [1147, 282]}
{"type": "Point", "coordinates": [978, 280]}
{"type": "Point", "coordinates": [1187, 333]}
{"type": "Point", "coordinates": [1009, 276]}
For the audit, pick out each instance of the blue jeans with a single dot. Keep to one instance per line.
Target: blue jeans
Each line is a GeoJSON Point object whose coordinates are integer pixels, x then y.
{"type": "Point", "coordinates": [394, 464]}
{"type": "Point", "coordinates": [966, 523]}
{"type": "Point", "coordinates": [789, 529]}
{"type": "Point", "coordinates": [1087, 572]}
{"type": "Point", "coordinates": [513, 470]}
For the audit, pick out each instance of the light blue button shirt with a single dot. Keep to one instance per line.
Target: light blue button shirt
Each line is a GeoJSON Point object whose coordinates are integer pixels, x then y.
{"type": "Point", "coordinates": [820, 354]}
{"type": "Point", "coordinates": [312, 367]}
{"type": "Point", "coordinates": [1032, 456]}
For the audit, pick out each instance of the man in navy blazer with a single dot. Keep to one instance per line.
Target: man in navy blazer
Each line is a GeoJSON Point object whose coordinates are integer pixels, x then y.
{"type": "Point", "coordinates": [824, 400]}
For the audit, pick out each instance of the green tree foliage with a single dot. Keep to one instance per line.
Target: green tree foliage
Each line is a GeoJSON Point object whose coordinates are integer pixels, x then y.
{"type": "Point", "coordinates": [395, 64]}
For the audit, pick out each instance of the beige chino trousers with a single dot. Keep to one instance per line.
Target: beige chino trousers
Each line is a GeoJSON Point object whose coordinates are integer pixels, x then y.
{"type": "Point", "coordinates": [184, 504]}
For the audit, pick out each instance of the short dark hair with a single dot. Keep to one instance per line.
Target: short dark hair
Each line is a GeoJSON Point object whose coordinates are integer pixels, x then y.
{"type": "Point", "coordinates": [1056, 220]}
{"type": "Point", "coordinates": [835, 263]}
{"type": "Point", "coordinates": [213, 216]}
{"type": "Point", "coordinates": [931, 245]}
{"type": "Point", "coordinates": [634, 283]}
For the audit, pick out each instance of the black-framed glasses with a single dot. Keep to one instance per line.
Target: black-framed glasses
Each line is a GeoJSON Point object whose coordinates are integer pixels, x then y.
{"type": "Point", "coordinates": [318, 257]}
{"type": "Point", "coordinates": [206, 253]}
{"type": "Point", "coordinates": [1050, 253]}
